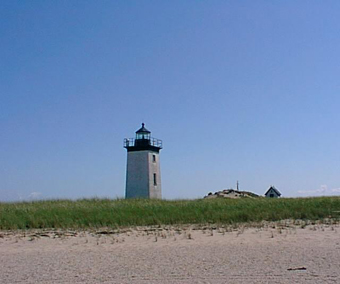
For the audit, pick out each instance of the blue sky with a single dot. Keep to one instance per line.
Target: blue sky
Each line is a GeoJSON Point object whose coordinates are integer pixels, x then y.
{"type": "Point", "coordinates": [237, 90]}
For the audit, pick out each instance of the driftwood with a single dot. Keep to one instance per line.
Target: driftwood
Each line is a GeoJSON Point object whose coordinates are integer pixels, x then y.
{"type": "Point", "coordinates": [297, 268]}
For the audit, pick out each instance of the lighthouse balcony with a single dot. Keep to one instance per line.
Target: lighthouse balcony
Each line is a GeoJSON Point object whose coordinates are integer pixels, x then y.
{"type": "Point", "coordinates": [131, 143]}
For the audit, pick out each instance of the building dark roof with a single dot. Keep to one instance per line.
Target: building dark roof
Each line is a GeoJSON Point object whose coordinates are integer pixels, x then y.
{"type": "Point", "coordinates": [273, 188]}
{"type": "Point", "coordinates": [143, 130]}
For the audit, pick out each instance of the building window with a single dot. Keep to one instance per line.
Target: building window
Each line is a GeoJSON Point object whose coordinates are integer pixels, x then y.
{"type": "Point", "coordinates": [154, 179]}
{"type": "Point", "coordinates": [154, 158]}
{"type": "Point", "coordinates": [271, 195]}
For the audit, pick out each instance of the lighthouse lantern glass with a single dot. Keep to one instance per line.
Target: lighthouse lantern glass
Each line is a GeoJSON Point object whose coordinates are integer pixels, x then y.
{"type": "Point", "coordinates": [142, 135]}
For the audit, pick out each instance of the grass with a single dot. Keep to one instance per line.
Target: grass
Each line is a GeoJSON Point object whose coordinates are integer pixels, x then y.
{"type": "Point", "coordinates": [96, 213]}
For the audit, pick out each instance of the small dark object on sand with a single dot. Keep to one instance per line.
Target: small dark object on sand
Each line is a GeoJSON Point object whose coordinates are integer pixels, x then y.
{"type": "Point", "coordinates": [297, 268]}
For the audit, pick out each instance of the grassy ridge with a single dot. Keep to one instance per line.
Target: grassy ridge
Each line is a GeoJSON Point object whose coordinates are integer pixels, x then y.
{"type": "Point", "coordinates": [88, 213]}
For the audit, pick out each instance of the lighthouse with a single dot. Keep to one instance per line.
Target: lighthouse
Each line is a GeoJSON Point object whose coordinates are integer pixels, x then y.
{"type": "Point", "coordinates": [143, 176]}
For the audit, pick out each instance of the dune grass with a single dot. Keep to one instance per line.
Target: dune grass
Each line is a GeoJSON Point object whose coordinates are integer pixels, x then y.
{"type": "Point", "coordinates": [96, 213]}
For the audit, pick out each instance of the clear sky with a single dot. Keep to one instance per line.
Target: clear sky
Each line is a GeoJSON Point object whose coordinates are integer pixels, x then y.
{"type": "Point", "coordinates": [237, 90]}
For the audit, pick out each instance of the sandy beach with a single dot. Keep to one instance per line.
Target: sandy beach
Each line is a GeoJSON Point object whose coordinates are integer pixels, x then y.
{"type": "Point", "coordinates": [272, 253]}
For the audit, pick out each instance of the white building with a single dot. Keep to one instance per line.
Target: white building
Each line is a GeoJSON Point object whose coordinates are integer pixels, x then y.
{"type": "Point", "coordinates": [272, 192]}
{"type": "Point", "coordinates": [143, 176]}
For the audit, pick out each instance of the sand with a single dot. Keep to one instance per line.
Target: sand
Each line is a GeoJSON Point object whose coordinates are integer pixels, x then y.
{"type": "Point", "coordinates": [272, 253]}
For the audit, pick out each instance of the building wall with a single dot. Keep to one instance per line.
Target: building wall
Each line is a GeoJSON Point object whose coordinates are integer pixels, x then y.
{"type": "Point", "coordinates": [155, 187]}
{"type": "Point", "coordinates": [272, 192]}
{"type": "Point", "coordinates": [140, 181]}
{"type": "Point", "coordinates": [137, 176]}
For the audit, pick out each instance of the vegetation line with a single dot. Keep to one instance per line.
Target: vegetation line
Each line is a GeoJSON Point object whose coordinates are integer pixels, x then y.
{"type": "Point", "coordinates": [96, 213]}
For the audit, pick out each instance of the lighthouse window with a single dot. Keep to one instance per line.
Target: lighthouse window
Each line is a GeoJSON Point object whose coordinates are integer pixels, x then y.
{"type": "Point", "coordinates": [154, 179]}
{"type": "Point", "coordinates": [154, 158]}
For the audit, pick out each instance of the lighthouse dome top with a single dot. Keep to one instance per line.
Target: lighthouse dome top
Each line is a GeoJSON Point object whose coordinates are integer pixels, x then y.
{"type": "Point", "coordinates": [142, 129]}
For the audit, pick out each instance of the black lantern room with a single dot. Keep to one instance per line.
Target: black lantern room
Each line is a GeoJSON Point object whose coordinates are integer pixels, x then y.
{"type": "Point", "coordinates": [143, 141]}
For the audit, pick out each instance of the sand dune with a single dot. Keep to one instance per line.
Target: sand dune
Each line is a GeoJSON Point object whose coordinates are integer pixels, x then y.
{"type": "Point", "coordinates": [273, 253]}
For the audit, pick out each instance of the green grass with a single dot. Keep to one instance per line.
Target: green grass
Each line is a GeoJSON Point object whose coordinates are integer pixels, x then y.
{"type": "Point", "coordinates": [96, 213]}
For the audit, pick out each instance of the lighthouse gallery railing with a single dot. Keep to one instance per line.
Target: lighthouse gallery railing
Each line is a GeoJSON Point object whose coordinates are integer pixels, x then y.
{"type": "Point", "coordinates": [130, 142]}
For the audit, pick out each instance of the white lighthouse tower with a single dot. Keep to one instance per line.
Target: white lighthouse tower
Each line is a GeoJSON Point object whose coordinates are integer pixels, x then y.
{"type": "Point", "coordinates": [143, 176]}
